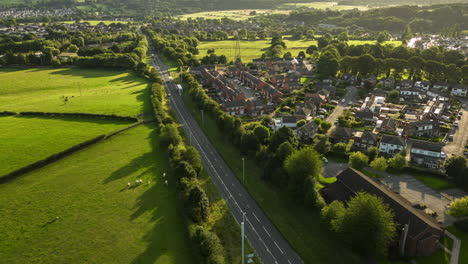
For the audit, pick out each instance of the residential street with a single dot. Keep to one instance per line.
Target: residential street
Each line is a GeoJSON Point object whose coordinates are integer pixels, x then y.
{"type": "Point", "coordinates": [269, 244]}
{"type": "Point", "coordinates": [349, 99]}
{"type": "Point", "coordinates": [460, 137]}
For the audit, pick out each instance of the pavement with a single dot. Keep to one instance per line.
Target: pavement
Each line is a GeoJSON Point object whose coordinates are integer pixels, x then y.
{"type": "Point", "coordinates": [268, 243]}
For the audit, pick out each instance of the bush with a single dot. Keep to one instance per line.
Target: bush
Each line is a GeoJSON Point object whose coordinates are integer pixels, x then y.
{"type": "Point", "coordinates": [209, 245]}
{"type": "Point", "coordinates": [358, 160]}
{"type": "Point", "coordinates": [379, 164]}
{"type": "Point", "coordinates": [398, 162]}
{"type": "Point", "coordinates": [170, 135]}
{"type": "Point", "coordinates": [459, 207]}
{"type": "Point", "coordinates": [339, 148]}
{"type": "Point", "coordinates": [198, 205]}
{"type": "Point", "coordinates": [332, 211]}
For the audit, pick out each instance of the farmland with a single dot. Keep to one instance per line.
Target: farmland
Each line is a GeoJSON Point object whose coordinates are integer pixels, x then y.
{"type": "Point", "coordinates": [254, 49]}
{"type": "Point", "coordinates": [80, 210]}
{"type": "Point", "coordinates": [27, 140]}
{"type": "Point", "coordinates": [88, 90]}
{"type": "Point", "coordinates": [241, 14]}
{"type": "Point", "coordinates": [324, 5]}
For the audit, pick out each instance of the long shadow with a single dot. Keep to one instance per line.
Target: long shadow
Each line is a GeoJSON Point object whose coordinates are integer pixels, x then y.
{"type": "Point", "coordinates": [88, 73]}
{"type": "Point", "coordinates": [149, 201]}
{"type": "Point", "coordinates": [143, 162]}
{"type": "Point", "coordinates": [79, 120]}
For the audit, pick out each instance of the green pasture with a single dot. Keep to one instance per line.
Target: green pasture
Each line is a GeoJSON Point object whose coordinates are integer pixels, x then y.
{"type": "Point", "coordinates": [95, 91]}
{"type": "Point", "coordinates": [254, 49]}
{"type": "Point", "coordinates": [241, 14]}
{"type": "Point", "coordinates": [80, 210]}
{"type": "Point", "coordinates": [324, 5]}
{"type": "Point", "coordinates": [25, 140]}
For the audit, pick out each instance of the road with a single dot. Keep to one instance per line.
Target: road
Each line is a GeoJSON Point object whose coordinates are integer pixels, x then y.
{"type": "Point", "coordinates": [460, 137]}
{"type": "Point", "coordinates": [268, 243]}
{"type": "Point", "coordinates": [349, 99]}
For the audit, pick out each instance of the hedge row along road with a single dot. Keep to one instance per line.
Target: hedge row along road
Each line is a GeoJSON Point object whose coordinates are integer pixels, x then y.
{"type": "Point", "coordinates": [269, 244]}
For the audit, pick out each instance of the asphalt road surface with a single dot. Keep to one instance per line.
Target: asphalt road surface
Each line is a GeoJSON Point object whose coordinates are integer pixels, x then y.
{"type": "Point", "coordinates": [268, 243]}
{"type": "Point", "coordinates": [349, 99]}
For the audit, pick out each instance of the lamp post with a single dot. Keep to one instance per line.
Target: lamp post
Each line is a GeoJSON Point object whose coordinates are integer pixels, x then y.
{"type": "Point", "coordinates": [203, 117]}
{"type": "Point", "coordinates": [243, 170]}
{"type": "Point", "coordinates": [242, 234]}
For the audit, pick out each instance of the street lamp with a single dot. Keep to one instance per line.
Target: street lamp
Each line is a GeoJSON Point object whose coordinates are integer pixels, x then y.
{"type": "Point", "coordinates": [202, 118]}
{"type": "Point", "coordinates": [242, 234]}
{"type": "Point", "coordinates": [243, 170]}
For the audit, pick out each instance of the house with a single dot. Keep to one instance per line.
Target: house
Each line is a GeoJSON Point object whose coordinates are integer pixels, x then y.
{"type": "Point", "coordinates": [370, 81]}
{"type": "Point", "coordinates": [307, 132]}
{"type": "Point", "coordinates": [459, 90]}
{"type": "Point", "coordinates": [303, 112]}
{"type": "Point", "coordinates": [405, 84]}
{"type": "Point", "coordinates": [234, 108]}
{"type": "Point", "coordinates": [426, 154]}
{"type": "Point", "coordinates": [315, 99]}
{"type": "Point", "coordinates": [440, 86]}
{"type": "Point", "coordinates": [341, 135]}
{"type": "Point", "coordinates": [410, 93]}
{"type": "Point", "coordinates": [391, 145]}
{"type": "Point", "coordinates": [255, 107]}
{"type": "Point", "coordinates": [419, 235]}
{"type": "Point", "coordinates": [389, 82]}
{"type": "Point", "coordinates": [288, 121]}
{"type": "Point", "coordinates": [389, 125]}
{"type": "Point", "coordinates": [425, 85]}
{"type": "Point", "coordinates": [423, 128]}
{"type": "Point", "coordinates": [364, 140]}
{"type": "Point", "coordinates": [365, 115]}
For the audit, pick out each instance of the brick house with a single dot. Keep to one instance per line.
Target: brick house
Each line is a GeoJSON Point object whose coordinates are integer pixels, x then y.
{"type": "Point", "coordinates": [419, 235]}
{"type": "Point", "coordinates": [426, 154]}
{"type": "Point", "coordinates": [423, 128]}
{"type": "Point", "coordinates": [364, 140]}
{"type": "Point", "coordinates": [391, 145]}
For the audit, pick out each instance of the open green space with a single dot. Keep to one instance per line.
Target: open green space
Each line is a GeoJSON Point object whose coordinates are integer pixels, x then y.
{"type": "Point", "coordinates": [301, 226]}
{"type": "Point", "coordinates": [26, 140]}
{"type": "Point", "coordinates": [96, 91]}
{"type": "Point", "coordinates": [240, 14]}
{"type": "Point", "coordinates": [100, 219]}
{"type": "Point", "coordinates": [324, 5]}
{"type": "Point", "coordinates": [255, 48]}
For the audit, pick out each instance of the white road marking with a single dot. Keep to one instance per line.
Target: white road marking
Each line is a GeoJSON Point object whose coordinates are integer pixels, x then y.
{"type": "Point", "coordinates": [278, 247]}
{"type": "Point", "coordinates": [256, 217]}
{"type": "Point", "coordinates": [266, 231]}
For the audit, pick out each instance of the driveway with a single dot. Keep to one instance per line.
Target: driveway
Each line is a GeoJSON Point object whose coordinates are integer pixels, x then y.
{"type": "Point", "coordinates": [332, 168]}
{"type": "Point", "coordinates": [417, 193]}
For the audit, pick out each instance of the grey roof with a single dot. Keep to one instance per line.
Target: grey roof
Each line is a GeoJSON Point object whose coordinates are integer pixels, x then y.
{"type": "Point", "coordinates": [350, 181]}
{"type": "Point", "coordinates": [424, 145]}
{"type": "Point", "coordinates": [394, 140]}
{"type": "Point", "coordinates": [289, 119]}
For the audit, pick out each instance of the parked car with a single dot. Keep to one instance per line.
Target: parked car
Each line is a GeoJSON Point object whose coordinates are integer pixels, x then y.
{"type": "Point", "coordinates": [456, 123]}
{"type": "Point", "coordinates": [443, 155]}
{"type": "Point", "coordinates": [450, 137]}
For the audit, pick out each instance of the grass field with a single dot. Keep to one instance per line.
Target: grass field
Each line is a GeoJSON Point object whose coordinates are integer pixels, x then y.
{"type": "Point", "coordinates": [100, 219]}
{"type": "Point", "coordinates": [324, 5]}
{"type": "Point", "coordinates": [301, 226]}
{"type": "Point", "coordinates": [241, 14]}
{"type": "Point", "coordinates": [254, 49]}
{"type": "Point", "coordinates": [27, 140]}
{"type": "Point", "coordinates": [89, 91]}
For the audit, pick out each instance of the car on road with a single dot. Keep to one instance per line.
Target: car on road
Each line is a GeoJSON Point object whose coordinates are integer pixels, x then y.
{"type": "Point", "coordinates": [450, 137]}
{"type": "Point", "coordinates": [343, 100]}
{"type": "Point", "coordinates": [456, 123]}
{"type": "Point", "coordinates": [336, 122]}
{"type": "Point", "coordinates": [168, 95]}
{"type": "Point", "coordinates": [443, 155]}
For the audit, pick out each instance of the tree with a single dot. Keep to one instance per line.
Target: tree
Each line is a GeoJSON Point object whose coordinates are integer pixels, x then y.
{"type": "Point", "coordinates": [198, 204]}
{"type": "Point", "coordinates": [459, 207]}
{"type": "Point", "coordinates": [366, 225]}
{"type": "Point", "coordinates": [358, 160]}
{"type": "Point", "coordinates": [383, 36]}
{"type": "Point", "coordinates": [327, 66]}
{"type": "Point", "coordinates": [262, 133]}
{"type": "Point", "coordinates": [170, 135]}
{"type": "Point", "coordinates": [284, 151]}
{"type": "Point", "coordinates": [456, 168]}
{"type": "Point", "coordinates": [343, 36]}
{"type": "Point", "coordinates": [366, 64]}
{"type": "Point", "coordinates": [309, 34]}
{"type": "Point", "coordinates": [287, 55]}
{"type": "Point", "coordinates": [322, 42]}
{"type": "Point", "coordinates": [300, 165]}
{"type": "Point", "coordinates": [397, 162]}
{"type": "Point", "coordinates": [282, 135]}
{"type": "Point", "coordinates": [407, 34]}
{"type": "Point", "coordinates": [311, 49]}
{"type": "Point", "coordinates": [249, 143]}
{"type": "Point", "coordinates": [335, 210]}
{"type": "Point", "coordinates": [339, 148]}
{"type": "Point", "coordinates": [325, 126]}
{"type": "Point", "coordinates": [185, 170]}
{"type": "Point", "coordinates": [322, 144]}
{"type": "Point", "coordinates": [394, 97]}
{"type": "Point", "coordinates": [379, 164]}
{"type": "Point", "coordinates": [372, 153]}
